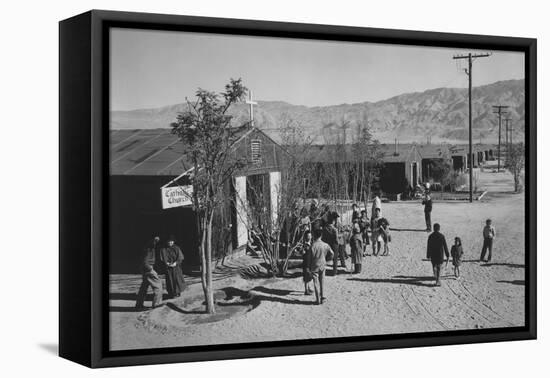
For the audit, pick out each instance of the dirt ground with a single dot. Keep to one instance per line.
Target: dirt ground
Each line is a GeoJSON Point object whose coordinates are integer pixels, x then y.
{"type": "Point", "coordinates": [393, 294]}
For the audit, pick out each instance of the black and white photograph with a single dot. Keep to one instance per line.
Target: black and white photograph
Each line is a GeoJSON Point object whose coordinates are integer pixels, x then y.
{"type": "Point", "coordinates": [278, 189]}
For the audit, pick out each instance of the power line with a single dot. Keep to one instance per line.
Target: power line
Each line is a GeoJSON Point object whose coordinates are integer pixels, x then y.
{"type": "Point", "coordinates": [468, 72]}
{"type": "Point", "coordinates": [507, 121]}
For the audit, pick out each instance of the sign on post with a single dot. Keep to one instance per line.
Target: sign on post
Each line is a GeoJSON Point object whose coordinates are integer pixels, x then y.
{"type": "Point", "coordinates": [176, 196]}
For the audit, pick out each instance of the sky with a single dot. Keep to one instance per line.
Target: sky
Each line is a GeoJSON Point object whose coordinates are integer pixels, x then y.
{"type": "Point", "coordinates": [151, 69]}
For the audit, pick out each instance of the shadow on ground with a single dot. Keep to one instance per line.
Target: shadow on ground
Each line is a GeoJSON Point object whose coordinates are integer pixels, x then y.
{"type": "Point", "coordinates": [401, 280]}
{"type": "Point", "coordinates": [408, 229]}
{"type": "Point", "coordinates": [509, 265]}
{"type": "Point", "coordinates": [239, 297]}
{"type": "Point", "coordinates": [514, 282]}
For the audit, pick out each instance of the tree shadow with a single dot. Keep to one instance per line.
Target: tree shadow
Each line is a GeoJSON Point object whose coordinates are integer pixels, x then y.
{"type": "Point", "coordinates": [173, 307]}
{"type": "Point", "coordinates": [247, 298]}
{"type": "Point", "coordinates": [329, 272]}
{"type": "Point", "coordinates": [509, 265]}
{"type": "Point", "coordinates": [401, 280]}
{"type": "Point", "coordinates": [266, 290]}
{"type": "Point", "coordinates": [514, 282]}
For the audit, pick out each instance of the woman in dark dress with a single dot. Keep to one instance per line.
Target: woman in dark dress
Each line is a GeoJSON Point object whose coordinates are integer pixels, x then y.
{"type": "Point", "coordinates": [172, 257]}
{"type": "Point", "coordinates": [356, 244]}
{"type": "Point", "coordinates": [306, 250]}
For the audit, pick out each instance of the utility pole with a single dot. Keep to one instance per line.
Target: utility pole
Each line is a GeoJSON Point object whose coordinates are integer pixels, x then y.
{"type": "Point", "coordinates": [468, 72]}
{"type": "Point", "coordinates": [498, 109]}
{"type": "Point", "coordinates": [507, 121]}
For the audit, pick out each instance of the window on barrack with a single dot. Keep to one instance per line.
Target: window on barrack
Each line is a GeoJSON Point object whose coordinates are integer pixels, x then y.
{"type": "Point", "coordinates": [256, 151]}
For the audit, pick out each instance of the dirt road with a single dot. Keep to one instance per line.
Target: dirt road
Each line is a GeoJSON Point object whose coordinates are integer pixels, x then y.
{"type": "Point", "coordinates": [393, 294]}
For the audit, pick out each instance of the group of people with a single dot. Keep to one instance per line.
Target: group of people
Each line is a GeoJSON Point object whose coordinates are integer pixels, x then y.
{"type": "Point", "coordinates": [322, 238]}
{"type": "Point", "coordinates": [325, 239]}
{"type": "Point", "coordinates": [438, 252]}
{"type": "Point", "coordinates": [167, 258]}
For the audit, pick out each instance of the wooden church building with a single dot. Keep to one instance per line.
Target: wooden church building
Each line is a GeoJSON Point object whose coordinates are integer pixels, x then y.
{"type": "Point", "coordinates": [144, 161]}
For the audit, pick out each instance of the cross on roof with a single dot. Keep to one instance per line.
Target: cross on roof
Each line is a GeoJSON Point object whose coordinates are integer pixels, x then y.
{"type": "Point", "coordinates": [251, 103]}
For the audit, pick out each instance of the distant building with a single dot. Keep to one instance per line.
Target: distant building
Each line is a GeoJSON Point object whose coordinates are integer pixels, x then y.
{"type": "Point", "coordinates": [400, 172]}
{"type": "Point", "coordinates": [142, 161]}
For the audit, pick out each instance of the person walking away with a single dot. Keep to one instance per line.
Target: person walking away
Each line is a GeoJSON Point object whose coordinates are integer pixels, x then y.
{"type": "Point", "coordinates": [384, 230]}
{"type": "Point", "coordinates": [489, 234]}
{"type": "Point", "coordinates": [436, 251]}
{"type": "Point", "coordinates": [306, 264]}
{"type": "Point", "coordinates": [375, 232]}
{"type": "Point", "coordinates": [172, 257]}
{"type": "Point", "coordinates": [376, 204]}
{"type": "Point", "coordinates": [456, 254]}
{"type": "Point", "coordinates": [356, 245]}
{"type": "Point", "coordinates": [331, 238]}
{"type": "Point", "coordinates": [149, 276]}
{"type": "Point", "coordinates": [427, 202]}
{"type": "Point", "coordinates": [320, 253]}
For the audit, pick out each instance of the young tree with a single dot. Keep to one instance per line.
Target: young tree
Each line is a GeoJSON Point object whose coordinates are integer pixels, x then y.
{"type": "Point", "coordinates": [207, 135]}
{"type": "Point", "coordinates": [275, 231]}
{"type": "Point", "coordinates": [515, 162]}
{"type": "Point", "coordinates": [368, 161]}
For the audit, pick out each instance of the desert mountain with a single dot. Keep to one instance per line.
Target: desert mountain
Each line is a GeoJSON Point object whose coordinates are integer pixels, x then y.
{"type": "Point", "coordinates": [441, 113]}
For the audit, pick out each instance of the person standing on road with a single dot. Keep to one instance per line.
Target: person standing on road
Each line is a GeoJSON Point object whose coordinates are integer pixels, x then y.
{"type": "Point", "coordinates": [355, 214]}
{"type": "Point", "coordinates": [376, 204]}
{"type": "Point", "coordinates": [320, 253]}
{"type": "Point", "coordinates": [149, 276]}
{"type": "Point", "coordinates": [489, 234]}
{"type": "Point", "coordinates": [364, 225]}
{"type": "Point", "coordinates": [456, 254]}
{"type": "Point", "coordinates": [375, 232]}
{"type": "Point", "coordinates": [172, 257]}
{"type": "Point", "coordinates": [306, 264]}
{"type": "Point", "coordinates": [330, 237]}
{"type": "Point", "coordinates": [356, 244]}
{"type": "Point", "coordinates": [427, 202]}
{"type": "Point", "coordinates": [436, 252]}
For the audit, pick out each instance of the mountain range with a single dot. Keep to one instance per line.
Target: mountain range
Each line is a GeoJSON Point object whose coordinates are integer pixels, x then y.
{"type": "Point", "coordinates": [441, 114]}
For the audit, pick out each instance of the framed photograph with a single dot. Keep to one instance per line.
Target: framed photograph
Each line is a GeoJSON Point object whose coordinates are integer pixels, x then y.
{"type": "Point", "coordinates": [234, 188]}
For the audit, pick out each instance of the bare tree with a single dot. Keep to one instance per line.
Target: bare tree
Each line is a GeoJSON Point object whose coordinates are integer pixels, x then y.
{"type": "Point", "coordinates": [515, 162]}
{"type": "Point", "coordinates": [207, 134]}
{"type": "Point", "coordinates": [273, 221]}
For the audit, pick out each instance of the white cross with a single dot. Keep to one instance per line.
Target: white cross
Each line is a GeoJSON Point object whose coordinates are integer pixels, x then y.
{"type": "Point", "coordinates": [251, 103]}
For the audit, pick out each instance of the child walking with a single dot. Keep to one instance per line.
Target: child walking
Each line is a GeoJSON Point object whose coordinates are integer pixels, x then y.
{"type": "Point", "coordinates": [456, 254]}
{"type": "Point", "coordinates": [384, 229]}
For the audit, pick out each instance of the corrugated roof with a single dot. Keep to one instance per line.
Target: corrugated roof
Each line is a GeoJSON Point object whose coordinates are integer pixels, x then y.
{"type": "Point", "coordinates": [158, 152]}
{"type": "Point", "coordinates": [149, 152]}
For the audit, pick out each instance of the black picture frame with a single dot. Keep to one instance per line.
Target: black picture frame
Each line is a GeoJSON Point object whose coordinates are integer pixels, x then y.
{"type": "Point", "coordinates": [84, 175]}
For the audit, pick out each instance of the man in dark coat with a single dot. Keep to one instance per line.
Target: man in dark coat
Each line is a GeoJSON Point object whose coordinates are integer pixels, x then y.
{"type": "Point", "coordinates": [150, 276]}
{"type": "Point", "coordinates": [436, 252]}
{"type": "Point", "coordinates": [330, 236]}
{"type": "Point", "coordinates": [427, 202]}
{"type": "Point", "coordinates": [172, 257]}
